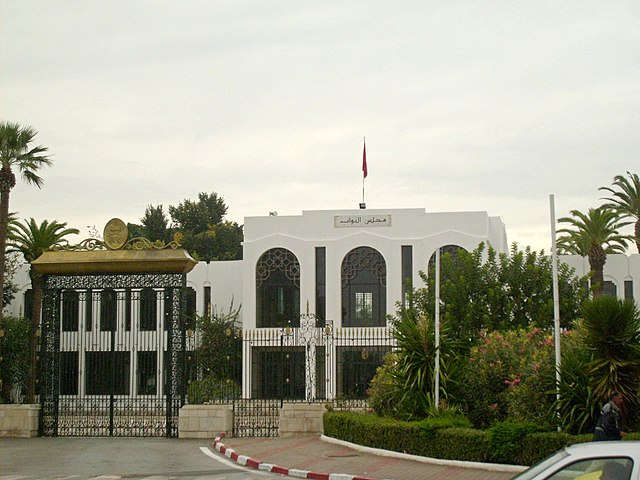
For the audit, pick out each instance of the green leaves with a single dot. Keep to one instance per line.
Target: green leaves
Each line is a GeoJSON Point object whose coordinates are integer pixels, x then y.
{"type": "Point", "coordinates": [32, 239]}
{"type": "Point", "coordinates": [593, 235]}
{"type": "Point", "coordinates": [15, 151]}
{"type": "Point", "coordinates": [612, 336]}
{"type": "Point", "coordinates": [219, 349]}
{"type": "Point", "coordinates": [204, 232]}
{"type": "Point", "coordinates": [481, 290]}
{"type": "Point", "coordinates": [625, 199]}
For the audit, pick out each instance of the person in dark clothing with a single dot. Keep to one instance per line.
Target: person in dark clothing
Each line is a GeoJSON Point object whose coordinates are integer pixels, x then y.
{"type": "Point", "coordinates": [609, 425]}
{"type": "Point", "coordinates": [615, 471]}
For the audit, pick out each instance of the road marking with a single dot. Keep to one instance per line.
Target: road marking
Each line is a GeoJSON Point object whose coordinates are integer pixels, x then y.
{"type": "Point", "coordinates": [207, 451]}
{"type": "Point", "coordinates": [222, 460]}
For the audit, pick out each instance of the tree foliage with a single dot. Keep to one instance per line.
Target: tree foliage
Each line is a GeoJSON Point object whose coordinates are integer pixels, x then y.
{"type": "Point", "coordinates": [32, 240]}
{"type": "Point", "coordinates": [155, 224]}
{"type": "Point", "coordinates": [203, 231]}
{"type": "Point", "coordinates": [612, 336]}
{"type": "Point", "coordinates": [219, 346]}
{"type": "Point", "coordinates": [625, 200]}
{"type": "Point", "coordinates": [16, 152]}
{"type": "Point", "coordinates": [404, 386]}
{"type": "Point", "coordinates": [198, 216]}
{"type": "Point", "coordinates": [485, 291]}
{"type": "Point", "coordinates": [14, 356]}
{"type": "Point", "coordinates": [594, 235]}
{"type": "Point", "coordinates": [12, 263]}
{"type": "Point", "coordinates": [577, 407]}
{"type": "Point", "coordinates": [600, 355]}
{"type": "Point", "coordinates": [509, 375]}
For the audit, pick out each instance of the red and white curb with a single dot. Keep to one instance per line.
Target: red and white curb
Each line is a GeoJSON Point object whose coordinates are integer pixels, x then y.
{"type": "Point", "coordinates": [268, 467]}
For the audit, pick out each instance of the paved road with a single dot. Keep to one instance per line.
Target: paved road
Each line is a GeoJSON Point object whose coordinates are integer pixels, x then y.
{"type": "Point", "coordinates": [116, 458]}
{"type": "Point", "coordinates": [69, 458]}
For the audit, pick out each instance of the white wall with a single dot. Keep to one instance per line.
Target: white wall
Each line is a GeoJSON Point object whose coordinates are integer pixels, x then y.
{"type": "Point", "coordinates": [617, 269]}
{"type": "Point", "coordinates": [225, 280]}
{"type": "Point", "coordinates": [301, 234]}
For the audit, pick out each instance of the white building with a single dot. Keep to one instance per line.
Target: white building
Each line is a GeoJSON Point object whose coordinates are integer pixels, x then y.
{"type": "Point", "coordinates": [316, 289]}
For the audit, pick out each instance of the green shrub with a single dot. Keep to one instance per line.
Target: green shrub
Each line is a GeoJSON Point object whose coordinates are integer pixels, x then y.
{"type": "Point", "coordinates": [536, 446]}
{"type": "Point", "coordinates": [447, 421]}
{"type": "Point", "coordinates": [448, 438]}
{"type": "Point", "coordinates": [577, 406]}
{"type": "Point", "coordinates": [212, 390]}
{"type": "Point", "coordinates": [444, 437]}
{"type": "Point", "coordinates": [505, 439]}
{"type": "Point", "coordinates": [385, 390]}
{"type": "Point", "coordinates": [457, 443]}
{"type": "Point", "coordinates": [612, 337]}
{"type": "Point", "coordinates": [14, 356]}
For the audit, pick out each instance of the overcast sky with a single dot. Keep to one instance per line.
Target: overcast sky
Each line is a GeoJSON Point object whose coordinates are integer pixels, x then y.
{"type": "Point", "coordinates": [489, 105]}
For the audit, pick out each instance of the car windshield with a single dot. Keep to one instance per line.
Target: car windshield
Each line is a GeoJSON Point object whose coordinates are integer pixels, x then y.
{"type": "Point", "coordinates": [541, 466]}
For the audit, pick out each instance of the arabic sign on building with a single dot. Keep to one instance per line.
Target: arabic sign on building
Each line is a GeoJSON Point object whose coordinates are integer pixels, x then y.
{"type": "Point", "coordinates": [362, 220]}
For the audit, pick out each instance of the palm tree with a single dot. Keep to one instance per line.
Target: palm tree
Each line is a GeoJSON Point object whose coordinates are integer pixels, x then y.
{"type": "Point", "coordinates": [593, 235]}
{"type": "Point", "coordinates": [32, 240]}
{"type": "Point", "coordinates": [15, 152]}
{"type": "Point", "coordinates": [626, 199]}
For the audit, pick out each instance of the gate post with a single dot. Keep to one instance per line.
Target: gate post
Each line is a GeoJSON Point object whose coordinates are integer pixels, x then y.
{"type": "Point", "coordinates": [49, 376]}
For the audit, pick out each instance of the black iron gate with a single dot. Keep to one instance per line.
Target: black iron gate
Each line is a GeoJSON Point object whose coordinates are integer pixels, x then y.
{"type": "Point", "coordinates": [113, 354]}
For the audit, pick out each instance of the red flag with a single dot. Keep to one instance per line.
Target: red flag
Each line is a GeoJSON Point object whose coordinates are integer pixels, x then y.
{"type": "Point", "coordinates": [364, 161]}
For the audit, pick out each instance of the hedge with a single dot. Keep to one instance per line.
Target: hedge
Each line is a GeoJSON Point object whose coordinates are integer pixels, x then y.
{"type": "Point", "coordinates": [450, 438]}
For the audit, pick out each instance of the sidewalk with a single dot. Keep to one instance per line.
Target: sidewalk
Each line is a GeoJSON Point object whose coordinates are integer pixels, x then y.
{"type": "Point", "coordinates": [316, 457]}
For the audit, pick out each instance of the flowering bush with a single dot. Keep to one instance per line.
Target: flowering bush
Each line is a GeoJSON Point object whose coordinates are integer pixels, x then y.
{"type": "Point", "coordinates": [509, 375]}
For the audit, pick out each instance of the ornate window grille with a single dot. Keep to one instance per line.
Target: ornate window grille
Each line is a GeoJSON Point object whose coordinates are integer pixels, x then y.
{"type": "Point", "coordinates": [364, 285]}
{"type": "Point", "coordinates": [278, 289]}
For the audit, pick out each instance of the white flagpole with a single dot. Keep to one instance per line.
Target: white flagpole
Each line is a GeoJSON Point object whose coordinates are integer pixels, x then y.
{"type": "Point", "coordinates": [436, 387]}
{"type": "Point", "coordinates": [556, 294]}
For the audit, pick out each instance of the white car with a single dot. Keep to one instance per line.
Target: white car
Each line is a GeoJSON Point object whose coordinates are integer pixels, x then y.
{"type": "Point", "coordinates": [589, 461]}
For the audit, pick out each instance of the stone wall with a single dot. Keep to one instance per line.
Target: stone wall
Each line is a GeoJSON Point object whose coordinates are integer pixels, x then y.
{"type": "Point", "coordinates": [196, 421]}
{"type": "Point", "coordinates": [205, 421]}
{"type": "Point", "coordinates": [301, 419]}
{"type": "Point", "coordinates": [19, 420]}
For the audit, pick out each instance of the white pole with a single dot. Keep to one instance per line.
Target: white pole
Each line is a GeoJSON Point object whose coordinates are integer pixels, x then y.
{"type": "Point", "coordinates": [556, 296]}
{"type": "Point", "coordinates": [437, 333]}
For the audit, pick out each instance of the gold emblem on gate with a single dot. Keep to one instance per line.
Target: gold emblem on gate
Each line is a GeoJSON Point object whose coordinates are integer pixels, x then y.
{"type": "Point", "coordinates": [115, 234]}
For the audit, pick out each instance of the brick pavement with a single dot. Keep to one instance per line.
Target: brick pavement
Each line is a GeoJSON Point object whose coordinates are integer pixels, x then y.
{"type": "Point", "coordinates": [313, 454]}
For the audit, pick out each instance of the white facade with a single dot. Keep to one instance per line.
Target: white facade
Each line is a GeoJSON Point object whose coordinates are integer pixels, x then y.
{"type": "Point", "coordinates": [234, 283]}
{"type": "Point", "coordinates": [621, 273]}
{"type": "Point", "coordinates": [341, 231]}
{"type": "Point", "coordinates": [218, 286]}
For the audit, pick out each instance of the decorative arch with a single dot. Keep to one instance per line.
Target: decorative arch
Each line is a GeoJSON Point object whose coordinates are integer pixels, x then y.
{"type": "Point", "coordinates": [450, 249]}
{"type": "Point", "coordinates": [277, 289]}
{"type": "Point", "coordinates": [364, 288]}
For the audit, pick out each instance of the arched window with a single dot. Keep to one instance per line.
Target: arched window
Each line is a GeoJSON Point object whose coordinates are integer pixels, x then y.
{"type": "Point", "coordinates": [278, 289]}
{"type": "Point", "coordinates": [444, 250]}
{"type": "Point", "coordinates": [364, 288]}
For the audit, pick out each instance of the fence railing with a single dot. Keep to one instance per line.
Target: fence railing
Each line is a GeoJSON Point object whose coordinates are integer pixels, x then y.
{"type": "Point", "coordinates": [308, 363]}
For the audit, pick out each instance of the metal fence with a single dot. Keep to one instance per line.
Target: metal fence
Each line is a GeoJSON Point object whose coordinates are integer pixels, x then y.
{"type": "Point", "coordinates": [258, 370]}
{"type": "Point", "coordinates": [293, 364]}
